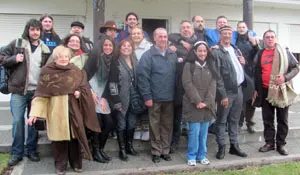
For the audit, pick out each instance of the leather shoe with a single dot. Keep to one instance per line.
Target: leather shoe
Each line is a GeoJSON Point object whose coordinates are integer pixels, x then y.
{"type": "Point", "coordinates": [282, 150]}
{"type": "Point", "coordinates": [166, 157]}
{"type": "Point", "coordinates": [235, 149]}
{"type": "Point", "coordinates": [155, 159]}
{"type": "Point", "coordinates": [221, 152]}
{"type": "Point", "coordinates": [33, 157]}
{"type": "Point", "coordinates": [266, 148]}
{"type": "Point", "coordinates": [14, 160]}
{"type": "Point", "coordinates": [251, 129]}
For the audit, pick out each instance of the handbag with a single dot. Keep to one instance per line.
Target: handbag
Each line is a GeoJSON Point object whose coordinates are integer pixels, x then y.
{"type": "Point", "coordinates": [136, 101]}
{"type": "Point", "coordinates": [40, 125]}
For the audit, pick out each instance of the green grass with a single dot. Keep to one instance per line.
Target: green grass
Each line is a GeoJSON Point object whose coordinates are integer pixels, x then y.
{"type": "Point", "coordinates": [3, 161]}
{"type": "Point", "coordinates": [292, 168]}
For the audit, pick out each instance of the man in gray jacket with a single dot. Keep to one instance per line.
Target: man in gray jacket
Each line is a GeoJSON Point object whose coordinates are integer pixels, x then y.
{"type": "Point", "coordinates": [156, 82]}
{"type": "Point", "coordinates": [230, 63]}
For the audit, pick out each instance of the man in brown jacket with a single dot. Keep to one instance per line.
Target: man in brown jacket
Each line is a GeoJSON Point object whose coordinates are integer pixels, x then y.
{"type": "Point", "coordinates": [24, 58]}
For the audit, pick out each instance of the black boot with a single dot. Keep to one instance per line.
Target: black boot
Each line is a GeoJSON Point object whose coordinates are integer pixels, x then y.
{"type": "Point", "coordinates": [95, 145]}
{"type": "Point", "coordinates": [235, 149]}
{"type": "Point", "coordinates": [102, 139]}
{"type": "Point", "coordinates": [122, 153]}
{"type": "Point", "coordinates": [221, 152]}
{"type": "Point", "coordinates": [129, 145]}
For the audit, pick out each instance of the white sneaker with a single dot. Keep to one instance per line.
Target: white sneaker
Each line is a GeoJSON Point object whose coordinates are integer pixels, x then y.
{"type": "Point", "coordinates": [145, 136]}
{"type": "Point", "coordinates": [204, 161]}
{"type": "Point", "coordinates": [191, 162]}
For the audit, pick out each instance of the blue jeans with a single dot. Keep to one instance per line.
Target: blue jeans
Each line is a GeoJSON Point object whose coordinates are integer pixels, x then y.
{"type": "Point", "coordinates": [18, 105]}
{"type": "Point", "coordinates": [197, 140]}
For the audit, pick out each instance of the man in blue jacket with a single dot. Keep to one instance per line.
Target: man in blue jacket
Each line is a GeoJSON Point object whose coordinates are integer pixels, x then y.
{"type": "Point", "coordinates": [156, 82]}
{"type": "Point", "coordinates": [131, 21]}
{"type": "Point", "coordinates": [213, 36]}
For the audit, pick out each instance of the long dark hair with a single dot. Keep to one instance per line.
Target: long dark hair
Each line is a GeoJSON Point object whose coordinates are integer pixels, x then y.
{"type": "Point", "coordinates": [210, 60]}
{"type": "Point", "coordinates": [48, 16]}
{"type": "Point", "coordinates": [100, 45]}
{"type": "Point", "coordinates": [32, 23]}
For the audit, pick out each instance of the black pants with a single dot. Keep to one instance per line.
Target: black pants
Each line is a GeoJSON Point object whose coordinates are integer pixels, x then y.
{"type": "Point", "coordinates": [268, 113]}
{"type": "Point", "coordinates": [177, 124]}
{"type": "Point", "coordinates": [106, 123]}
{"type": "Point", "coordinates": [125, 122]}
{"type": "Point", "coordinates": [247, 113]}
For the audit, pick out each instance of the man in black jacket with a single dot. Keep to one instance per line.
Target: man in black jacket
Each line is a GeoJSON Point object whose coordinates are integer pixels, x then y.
{"type": "Point", "coordinates": [181, 44]}
{"type": "Point", "coordinates": [22, 82]}
{"type": "Point", "coordinates": [248, 45]}
{"type": "Point", "coordinates": [229, 97]}
{"type": "Point", "coordinates": [269, 86]}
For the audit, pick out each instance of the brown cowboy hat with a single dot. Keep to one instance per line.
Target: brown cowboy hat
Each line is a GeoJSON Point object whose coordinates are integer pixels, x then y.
{"type": "Point", "coordinates": [109, 25]}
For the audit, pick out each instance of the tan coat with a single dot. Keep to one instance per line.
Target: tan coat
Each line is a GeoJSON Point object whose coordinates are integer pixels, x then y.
{"type": "Point", "coordinates": [199, 87]}
{"type": "Point", "coordinates": [53, 109]}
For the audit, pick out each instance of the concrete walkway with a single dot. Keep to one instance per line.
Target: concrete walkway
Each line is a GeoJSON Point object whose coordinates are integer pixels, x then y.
{"type": "Point", "coordinates": [143, 164]}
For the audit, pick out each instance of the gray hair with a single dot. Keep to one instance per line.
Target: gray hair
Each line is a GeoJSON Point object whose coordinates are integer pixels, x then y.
{"type": "Point", "coordinates": [159, 29]}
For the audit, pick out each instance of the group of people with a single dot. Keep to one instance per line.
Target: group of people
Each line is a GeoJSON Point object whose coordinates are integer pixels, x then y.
{"type": "Point", "coordinates": [199, 76]}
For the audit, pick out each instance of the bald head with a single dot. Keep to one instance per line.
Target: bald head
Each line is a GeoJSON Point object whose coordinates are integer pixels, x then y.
{"type": "Point", "coordinates": [198, 22]}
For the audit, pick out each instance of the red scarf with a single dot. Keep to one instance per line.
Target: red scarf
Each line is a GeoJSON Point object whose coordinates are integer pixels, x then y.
{"type": "Point", "coordinates": [79, 52]}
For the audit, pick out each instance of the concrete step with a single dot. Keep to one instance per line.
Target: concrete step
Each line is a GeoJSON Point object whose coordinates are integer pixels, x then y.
{"type": "Point", "coordinates": [44, 145]}
{"type": "Point", "coordinates": [143, 165]}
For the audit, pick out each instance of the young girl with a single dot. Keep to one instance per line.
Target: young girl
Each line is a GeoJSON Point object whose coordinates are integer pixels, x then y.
{"type": "Point", "coordinates": [199, 82]}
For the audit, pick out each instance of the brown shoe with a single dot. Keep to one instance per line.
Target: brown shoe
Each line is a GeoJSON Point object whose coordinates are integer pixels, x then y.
{"type": "Point", "coordinates": [282, 150]}
{"type": "Point", "coordinates": [266, 148]}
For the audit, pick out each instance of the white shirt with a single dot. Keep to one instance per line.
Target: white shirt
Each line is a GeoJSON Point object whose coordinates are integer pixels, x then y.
{"type": "Point", "coordinates": [237, 65]}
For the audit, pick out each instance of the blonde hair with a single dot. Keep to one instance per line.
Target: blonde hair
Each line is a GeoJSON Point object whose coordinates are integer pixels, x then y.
{"type": "Point", "coordinates": [138, 27]}
{"type": "Point", "coordinates": [61, 51]}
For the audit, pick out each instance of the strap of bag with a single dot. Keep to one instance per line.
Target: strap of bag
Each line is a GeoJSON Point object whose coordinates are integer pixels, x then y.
{"type": "Point", "coordinates": [122, 35]}
{"type": "Point", "coordinates": [19, 42]}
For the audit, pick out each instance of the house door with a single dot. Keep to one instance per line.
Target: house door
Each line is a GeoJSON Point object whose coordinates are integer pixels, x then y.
{"type": "Point", "coordinates": [149, 25]}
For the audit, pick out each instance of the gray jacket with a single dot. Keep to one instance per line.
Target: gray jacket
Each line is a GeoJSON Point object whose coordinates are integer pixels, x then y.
{"type": "Point", "coordinates": [156, 75]}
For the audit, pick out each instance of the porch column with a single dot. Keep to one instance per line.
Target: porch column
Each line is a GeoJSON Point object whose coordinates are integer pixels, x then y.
{"type": "Point", "coordinates": [248, 13]}
{"type": "Point", "coordinates": [98, 17]}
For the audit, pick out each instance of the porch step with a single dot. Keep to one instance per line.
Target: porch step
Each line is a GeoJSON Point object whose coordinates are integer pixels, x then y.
{"type": "Point", "coordinates": [44, 145]}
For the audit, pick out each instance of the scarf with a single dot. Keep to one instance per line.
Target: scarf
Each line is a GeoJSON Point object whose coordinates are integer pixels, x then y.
{"type": "Point", "coordinates": [59, 80]}
{"type": "Point", "coordinates": [280, 95]}
{"type": "Point", "coordinates": [64, 80]}
{"type": "Point", "coordinates": [104, 69]}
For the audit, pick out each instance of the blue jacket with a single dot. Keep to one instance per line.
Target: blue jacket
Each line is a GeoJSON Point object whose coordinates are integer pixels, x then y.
{"type": "Point", "coordinates": [125, 34]}
{"type": "Point", "coordinates": [213, 36]}
{"type": "Point", "coordinates": [156, 75]}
